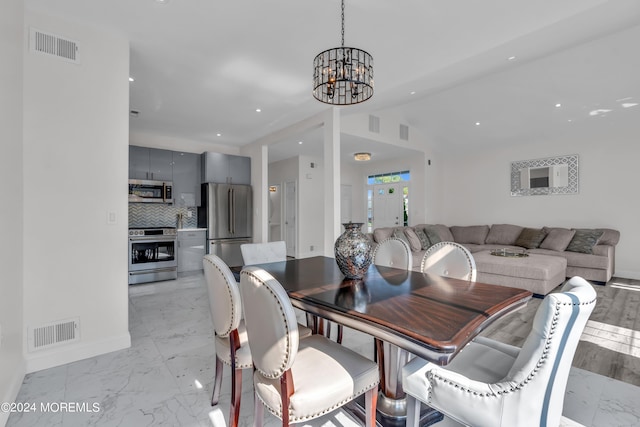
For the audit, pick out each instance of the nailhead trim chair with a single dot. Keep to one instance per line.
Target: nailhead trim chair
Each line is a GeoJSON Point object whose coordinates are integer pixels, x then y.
{"type": "Point", "coordinates": [449, 259]}
{"type": "Point", "coordinates": [393, 252]}
{"type": "Point", "coordinates": [261, 253]}
{"type": "Point", "coordinates": [231, 342]}
{"type": "Point", "coordinates": [298, 380]}
{"type": "Point", "coordinates": [492, 384]}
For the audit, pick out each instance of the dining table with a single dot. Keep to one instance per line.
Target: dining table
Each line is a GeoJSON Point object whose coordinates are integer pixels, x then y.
{"type": "Point", "coordinates": [408, 313]}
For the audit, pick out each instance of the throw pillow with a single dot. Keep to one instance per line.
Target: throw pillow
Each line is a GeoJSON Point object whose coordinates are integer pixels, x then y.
{"type": "Point", "coordinates": [424, 240]}
{"type": "Point", "coordinates": [557, 239]}
{"type": "Point", "coordinates": [399, 234]}
{"type": "Point", "coordinates": [470, 234]}
{"type": "Point", "coordinates": [432, 235]}
{"type": "Point", "coordinates": [414, 241]}
{"type": "Point", "coordinates": [503, 234]}
{"type": "Point", "coordinates": [584, 240]}
{"type": "Point", "coordinates": [530, 238]}
{"type": "Point", "coordinates": [382, 234]}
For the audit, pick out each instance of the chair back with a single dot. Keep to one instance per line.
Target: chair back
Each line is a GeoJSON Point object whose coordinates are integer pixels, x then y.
{"type": "Point", "coordinates": [260, 253]}
{"type": "Point", "coordinates": [224, 295]}
{"type": "Point", "coordinates": [449, 259]}
{"type": "Point", "coordinates": [393, 252]}
{"type": "Point", "coordinates": [541, 370]}
{"type": "Point", "coordinates": [271, 322]}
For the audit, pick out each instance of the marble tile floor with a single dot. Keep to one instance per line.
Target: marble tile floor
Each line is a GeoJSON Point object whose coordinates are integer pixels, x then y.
{"type": "Point", "coordinates": [166, 377]}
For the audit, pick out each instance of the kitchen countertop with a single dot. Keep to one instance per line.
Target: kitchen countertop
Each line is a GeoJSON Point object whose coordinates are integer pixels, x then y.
{"type": "Point", "coordinates": [191, 229]}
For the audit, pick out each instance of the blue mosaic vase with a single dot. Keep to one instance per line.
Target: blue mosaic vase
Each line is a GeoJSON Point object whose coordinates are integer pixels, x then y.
{"type": "Point", "coordinates": [353, 251]}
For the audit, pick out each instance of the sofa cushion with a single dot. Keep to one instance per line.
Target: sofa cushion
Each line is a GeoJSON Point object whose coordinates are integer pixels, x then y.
{"type": "Point", "coordinates": [577, 259]}
{"type": "Point", "coordinates": [530, 238]}
{"type": "Point", "coordinates": [503, 234]}
{"type": "Point", "coordinates": [436, 233]}
{"type": "Point", "coordinates": [584, 240]}
{"type": "Point", "coordinates": [412, 237]}
{"type": "Point", "coordinates": [557, 239]}
{"type": "Point", "coordinates": [422, 236]}
{"type": "Point", "coordinates": [383, 233]}
{"type": "Point", "coordinates": [470, 234]}
{"type": "Point", "coordinates": [609, 237]}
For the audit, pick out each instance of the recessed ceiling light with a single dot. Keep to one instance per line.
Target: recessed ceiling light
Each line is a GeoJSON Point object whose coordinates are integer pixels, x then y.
{"type": "Point", "coordinates": [477, 123]}
{"type": "Point", "coordinates": [162, 1]}
{"type": "Point", "coordinates": [558, 105]}
{"type": "Point", "coordinates": [299, 142]}
{"type": "Point", "coordinates": [413, 92]}
{"type": "Point", "coordinates": [131, 79]}
{"type": "Point", "coordinates": [511, 58]}
{"type": "Point", "coordinates": [629, 104]}
{"type": "Point", "coordinates": [258, 110]}
{"type": "Point", "coordinates": [218, 134]}
{"type": "Point", "coordinates": [362, 157]}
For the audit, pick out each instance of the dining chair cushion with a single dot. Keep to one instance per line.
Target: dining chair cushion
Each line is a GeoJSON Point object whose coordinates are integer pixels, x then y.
{"type": "Point", "coordinates": [315, 394]}
{"type": "Point", "coordinates": [243, 354]}
{"type": "Point", "coordinates": [224, 300]}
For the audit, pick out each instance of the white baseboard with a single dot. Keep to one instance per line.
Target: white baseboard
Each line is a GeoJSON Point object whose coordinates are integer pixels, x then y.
{"type": "Point", "coordinates": [44, 359]}
{"type": "Point", "coordinates": [627, 274]}
{"type": "Point", "coordinates": [11, 389]}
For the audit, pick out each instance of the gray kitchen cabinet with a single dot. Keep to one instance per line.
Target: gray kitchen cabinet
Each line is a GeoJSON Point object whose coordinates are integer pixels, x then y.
{"type": "Point", "coordinates": [226, 168]}
{"type": "Point", "coordinates": [186, 179]}
{"type": "Point", "coordinates": [150, 163]}
{"type": "Point", "coordinates": [191, 249]}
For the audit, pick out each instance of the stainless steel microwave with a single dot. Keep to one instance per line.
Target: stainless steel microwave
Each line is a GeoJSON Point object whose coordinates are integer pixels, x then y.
{"type": "Point", "coordinates": [143, 191]}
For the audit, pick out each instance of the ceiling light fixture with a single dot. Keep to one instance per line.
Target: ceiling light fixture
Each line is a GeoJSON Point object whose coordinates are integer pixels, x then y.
{"type": "Point", "coordinates": [362, 157]}
{"type": "Point", "coordinates": [343, 75]}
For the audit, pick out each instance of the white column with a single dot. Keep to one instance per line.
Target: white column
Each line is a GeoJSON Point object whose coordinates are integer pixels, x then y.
{"type": "Point", "coordinates": [332, 227]}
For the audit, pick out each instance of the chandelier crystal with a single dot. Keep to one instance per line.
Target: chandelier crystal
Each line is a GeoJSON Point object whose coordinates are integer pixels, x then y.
{"type": "Point", "coordinates": [343, 75]}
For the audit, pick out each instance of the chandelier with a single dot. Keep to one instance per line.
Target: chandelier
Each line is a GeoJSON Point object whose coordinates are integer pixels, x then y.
{"type": "Point", "coordinates": [343, 75]}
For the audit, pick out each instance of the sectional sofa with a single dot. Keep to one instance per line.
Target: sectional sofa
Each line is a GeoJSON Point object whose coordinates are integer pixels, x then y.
{"type": "Point", "coordinates": [554, 253]}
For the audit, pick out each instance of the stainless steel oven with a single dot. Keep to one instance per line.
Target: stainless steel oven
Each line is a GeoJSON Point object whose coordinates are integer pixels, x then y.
{"type": "Point", "coordinates": [152, 254]}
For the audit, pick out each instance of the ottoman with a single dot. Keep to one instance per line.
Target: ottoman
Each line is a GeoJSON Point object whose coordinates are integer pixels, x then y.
{"type": "Point", "coordinates": [539, 274]}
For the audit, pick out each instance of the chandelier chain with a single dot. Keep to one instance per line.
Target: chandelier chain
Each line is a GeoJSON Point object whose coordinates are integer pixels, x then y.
{"type": "Point", "coordinates": [342, 23]}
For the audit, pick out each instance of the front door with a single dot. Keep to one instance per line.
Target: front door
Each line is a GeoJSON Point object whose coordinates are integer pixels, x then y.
{"type": "Point", "coordinates": [387, 206]}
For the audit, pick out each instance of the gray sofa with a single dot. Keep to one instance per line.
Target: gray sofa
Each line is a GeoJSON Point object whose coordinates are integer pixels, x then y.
{"type": "Point", "coordinates": [554, 253]}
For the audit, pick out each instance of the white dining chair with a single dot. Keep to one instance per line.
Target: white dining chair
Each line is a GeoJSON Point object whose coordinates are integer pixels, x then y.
{"type": "Point", "coordinates": [260, 253]}
{"type": "Point", "coordinates": [449, 259]}
{"type": "Point", "coordinates": [393, 252]}
{"type": "Point", "coordinates": [231, 342]}
{"type": "Point", "coordinates": [491, 384]}
{"type": "Point", "coordinates": [298, 380]}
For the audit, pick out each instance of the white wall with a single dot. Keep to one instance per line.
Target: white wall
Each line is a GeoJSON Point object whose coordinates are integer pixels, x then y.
{"type": "Point", "coordinates": [12, 365]}
{"type": "Point", "coordinates": [477, 187]}
{"type": "Point", "coordinates": [178, 144]}
{"type": "Point", "coordinates": [75, 174]}
{"type": "Point", "coordinates": [310, 199]}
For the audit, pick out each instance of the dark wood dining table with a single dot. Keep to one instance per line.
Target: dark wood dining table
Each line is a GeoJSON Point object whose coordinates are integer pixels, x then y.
{"type": "Point", "coordinates": [430, 316]}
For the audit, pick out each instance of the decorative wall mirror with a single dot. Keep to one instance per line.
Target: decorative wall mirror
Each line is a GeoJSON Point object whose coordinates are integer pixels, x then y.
{"type": "Point", "coordinates": [553, 175]}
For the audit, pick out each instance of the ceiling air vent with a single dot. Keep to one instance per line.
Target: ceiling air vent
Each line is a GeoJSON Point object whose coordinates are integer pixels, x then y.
{"type": "Point", "coordinates": [404, 132]}
{"type": "Point", "coordinates": [51, 334]}
{"type": "Point", "coordinates": [50, 44]}
{"type": "Point", "coordinates": [374, 124]}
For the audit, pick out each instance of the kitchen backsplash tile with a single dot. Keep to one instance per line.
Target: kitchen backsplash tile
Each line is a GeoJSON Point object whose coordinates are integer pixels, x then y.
{"type": "Point", "coordinates": [161, 215]}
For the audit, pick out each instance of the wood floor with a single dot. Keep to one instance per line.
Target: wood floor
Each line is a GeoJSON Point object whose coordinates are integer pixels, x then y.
{"type": "Point", "coordinates": [610, 345]}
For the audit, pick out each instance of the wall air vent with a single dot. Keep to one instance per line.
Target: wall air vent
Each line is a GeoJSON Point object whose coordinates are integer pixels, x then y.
{"type": "Point", "coordinates": [51, 334]}
{"type": "Point", "coordinates": [50, 44]}
{"type": "Point", "coordinates": [404, 132]}
{"type": "Point", "coordinates": [374, 124]}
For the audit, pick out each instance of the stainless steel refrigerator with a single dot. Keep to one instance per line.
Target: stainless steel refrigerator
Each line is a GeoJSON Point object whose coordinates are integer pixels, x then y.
{"type": "Point", "coordinates": [226, 212]}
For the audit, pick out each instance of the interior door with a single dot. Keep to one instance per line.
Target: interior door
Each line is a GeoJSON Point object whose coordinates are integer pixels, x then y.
{"type": "Point", "coordinates": [290, 215]}
{"type": "Point", "coordinates": [387, 206]}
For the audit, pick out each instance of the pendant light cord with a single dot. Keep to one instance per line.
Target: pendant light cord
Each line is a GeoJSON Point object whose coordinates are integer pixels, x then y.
{"type": "Point", "coordinates": [342, 23]}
